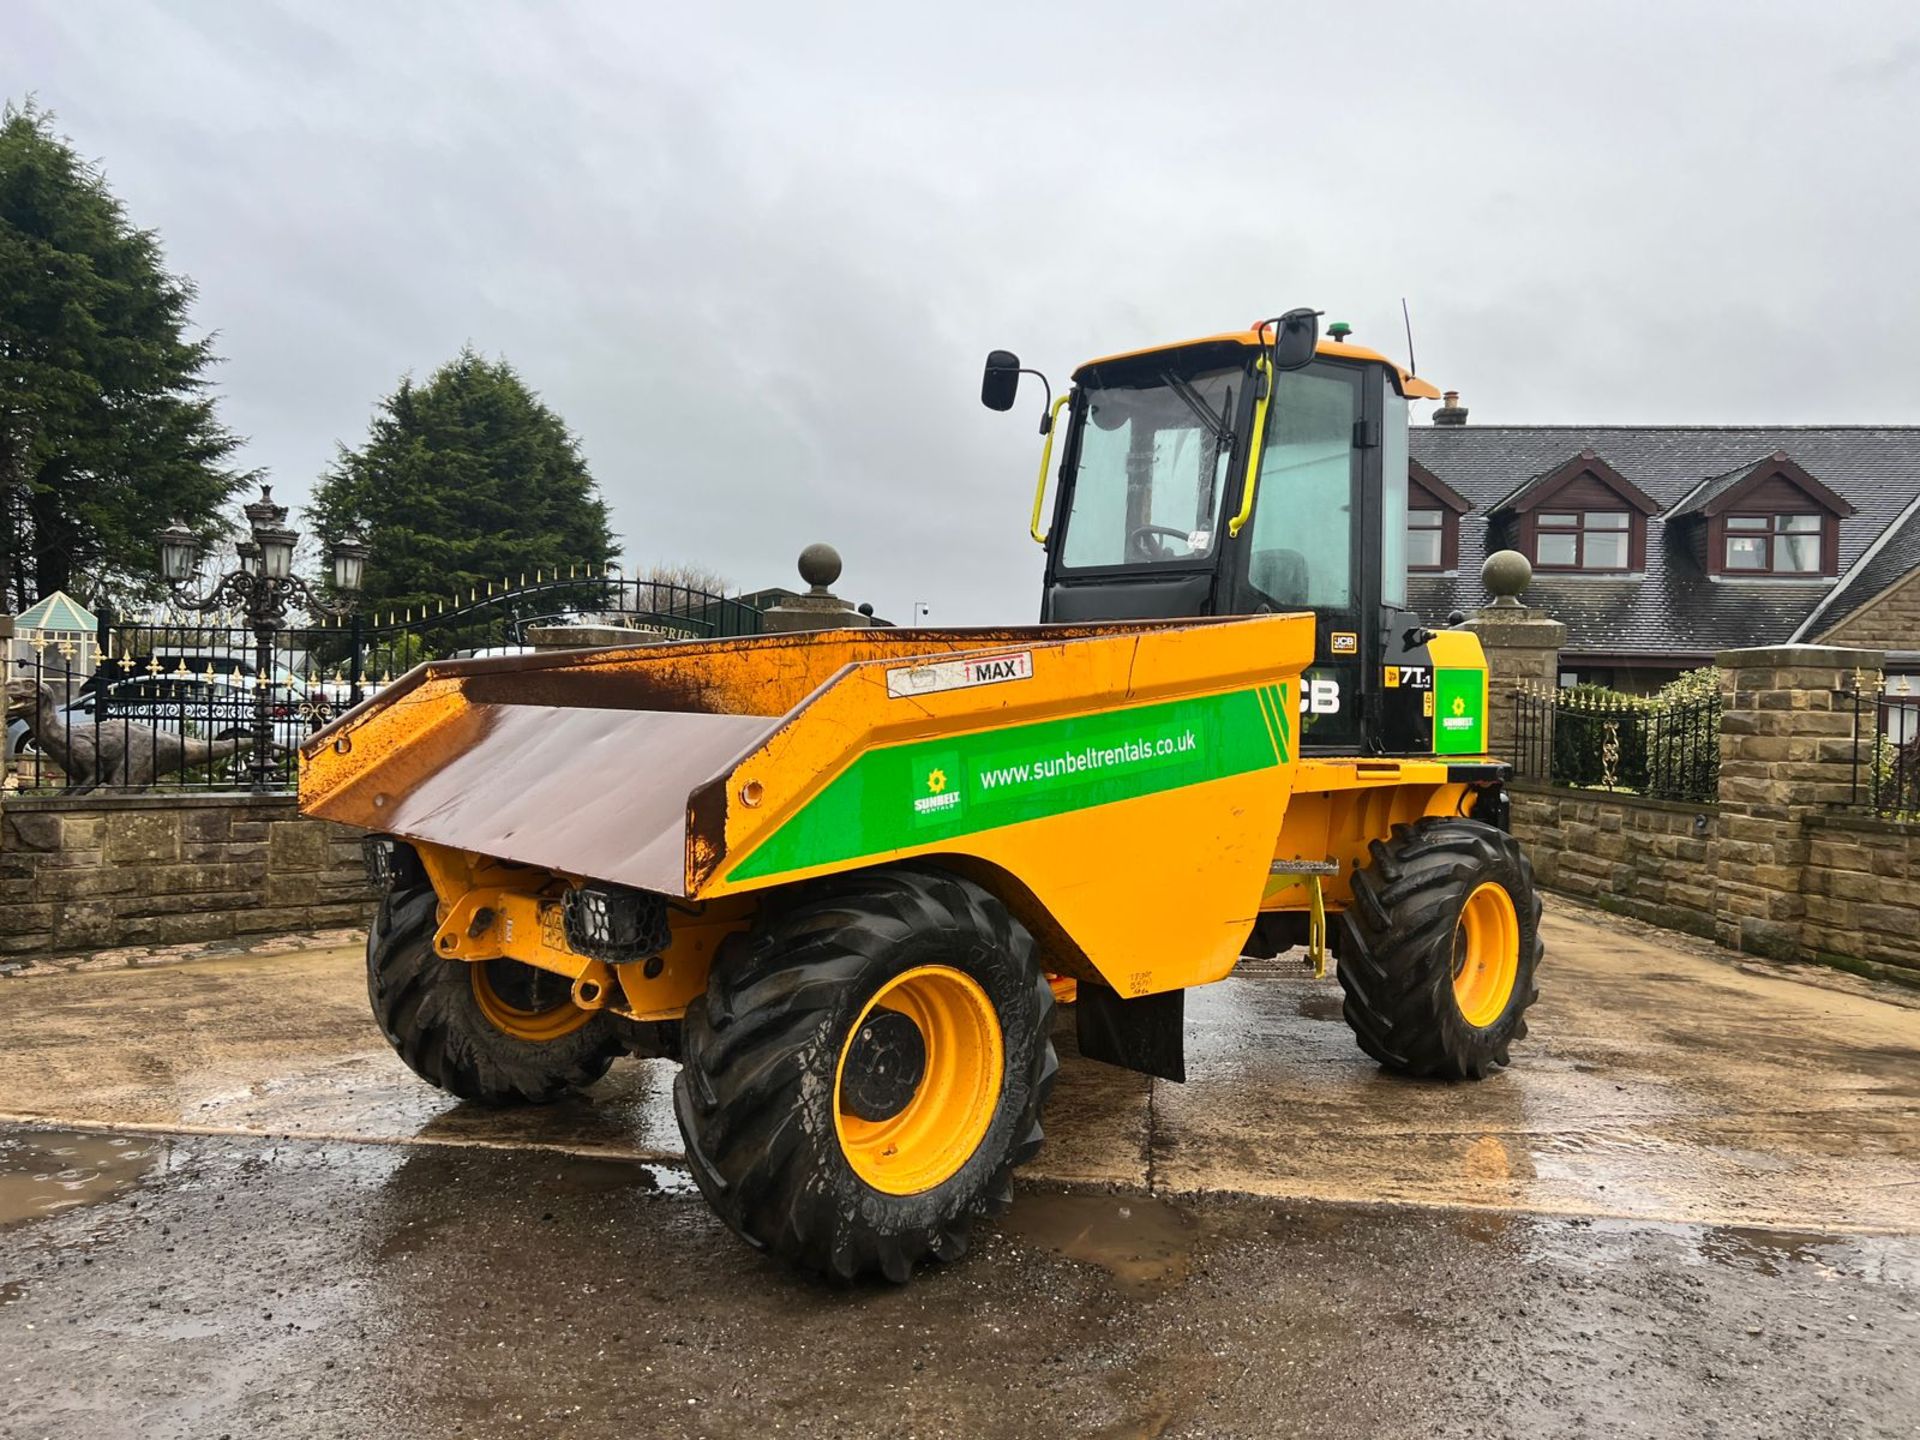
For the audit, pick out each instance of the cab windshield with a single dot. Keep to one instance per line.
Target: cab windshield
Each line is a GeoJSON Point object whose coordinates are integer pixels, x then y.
{"type": "Point", "coordinates": [1152, 469]}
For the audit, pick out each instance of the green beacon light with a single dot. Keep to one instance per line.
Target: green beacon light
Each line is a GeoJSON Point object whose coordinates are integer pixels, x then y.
{"type": "Point", "coordinates": [1338, 331]}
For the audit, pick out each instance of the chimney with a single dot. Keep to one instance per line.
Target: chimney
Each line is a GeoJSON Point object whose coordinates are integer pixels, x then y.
{"type": "Point", "coordinates": [1451, 411]}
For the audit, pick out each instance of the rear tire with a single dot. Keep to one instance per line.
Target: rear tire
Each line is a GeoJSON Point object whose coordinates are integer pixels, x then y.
{"type": "Point", "coordinates": [853, 1138]}
{"type": "Point", "coordinates": [434, 1012]}
{"type": "Point", "coordinates": [1441, 945]}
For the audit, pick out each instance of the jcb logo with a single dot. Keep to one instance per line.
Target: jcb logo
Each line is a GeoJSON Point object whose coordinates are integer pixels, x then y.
{"type": "Point", "coordinates": [1319, 697]}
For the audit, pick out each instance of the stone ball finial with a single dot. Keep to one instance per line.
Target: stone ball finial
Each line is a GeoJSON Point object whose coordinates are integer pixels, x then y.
{"type": "Point", "coordinates": [819, 567]}
{"type": "Point", "coordinates": [1506, 574]}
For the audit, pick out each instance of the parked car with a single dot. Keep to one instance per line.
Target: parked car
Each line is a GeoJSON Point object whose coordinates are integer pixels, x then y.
{"type": "Point", "coordinates": [216, 707]}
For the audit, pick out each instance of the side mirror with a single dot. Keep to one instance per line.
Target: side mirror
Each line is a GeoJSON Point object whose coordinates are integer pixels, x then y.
{"type": "Point", "coordinates": [1002, 380]}
{"type": "Point", "coordinates": [1296, 336]}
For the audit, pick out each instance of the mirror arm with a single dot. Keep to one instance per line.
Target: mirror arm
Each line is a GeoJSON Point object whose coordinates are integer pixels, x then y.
{"type": "Point", "coordinates": [1047, 410]}
{"type": "Point", "coordinates": [1047, 428]}
{"type": "Point", "coordinates": [1264, 365]}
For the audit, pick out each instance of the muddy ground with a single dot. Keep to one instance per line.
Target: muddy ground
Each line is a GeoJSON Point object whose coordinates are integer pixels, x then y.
{"type": "Point", "coordinates": [1690, 1208]}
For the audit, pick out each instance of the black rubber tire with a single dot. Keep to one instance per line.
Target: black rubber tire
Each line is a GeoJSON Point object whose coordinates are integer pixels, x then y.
{"type": "Point", "coordinates": [755, 1094]}
{"type": "Point", "coordinates": [427, 1011]}
{"type": "Point", "coordinates": [1396, 962]}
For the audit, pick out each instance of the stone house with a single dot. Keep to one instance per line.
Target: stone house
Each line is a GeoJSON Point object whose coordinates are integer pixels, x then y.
{"type": "Point", "coordinates": [1661, 545]}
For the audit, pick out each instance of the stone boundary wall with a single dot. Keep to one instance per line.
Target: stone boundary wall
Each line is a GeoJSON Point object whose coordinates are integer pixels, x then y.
{"type": "Point", "coordinates": [1854, 899]}
{"type": "Point", "coordinates": [1650, 859]}
{"type": "Point", "coordinates": [1862, 891]}
{"type": "Point", "coordinates": [94, 872]}
{"type": "Point", "coordinates": [1780, 863]}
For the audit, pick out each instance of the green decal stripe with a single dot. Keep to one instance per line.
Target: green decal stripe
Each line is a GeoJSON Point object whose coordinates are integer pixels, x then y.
{"type": "Point", "coordinates": [1266, 717]}
{"type": "Point", "coordinates": [1280, 695]}
{"type": "Point", "coordinates": [903, 795]}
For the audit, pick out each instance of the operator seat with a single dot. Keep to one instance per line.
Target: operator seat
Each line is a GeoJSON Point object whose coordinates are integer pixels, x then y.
{"type": "Point", "coordinates": [1280, 575]}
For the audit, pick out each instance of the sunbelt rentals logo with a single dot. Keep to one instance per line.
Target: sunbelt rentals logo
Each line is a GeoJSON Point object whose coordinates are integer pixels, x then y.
{"type": "Point", "coordinates": [938, 794]}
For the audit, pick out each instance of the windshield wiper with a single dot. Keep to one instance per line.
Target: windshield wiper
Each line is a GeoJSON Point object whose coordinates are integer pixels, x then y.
{"type": "Point", "coordinates": [1217, 425]}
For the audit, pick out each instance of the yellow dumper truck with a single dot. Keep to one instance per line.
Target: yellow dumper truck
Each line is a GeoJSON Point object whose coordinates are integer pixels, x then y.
{"type": "Point", "coordinates": [844, 876]}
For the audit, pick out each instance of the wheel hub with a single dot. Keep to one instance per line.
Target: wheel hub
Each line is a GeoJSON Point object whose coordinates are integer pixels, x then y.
{"type": "Point", "coordinates": [920, 1072]}
{"type": "Point", "coordinates": [526, 987]}
{"type": "Point", "coordinates": [1486, 954]}
{"type": "Point", "coordinates": [885, 1065]}
{"type": "Point", "coordinates": [525, 1001]}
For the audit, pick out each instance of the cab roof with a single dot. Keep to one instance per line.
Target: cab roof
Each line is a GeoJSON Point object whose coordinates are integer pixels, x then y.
{"type": "Point", "coordinates": [1412, 386]}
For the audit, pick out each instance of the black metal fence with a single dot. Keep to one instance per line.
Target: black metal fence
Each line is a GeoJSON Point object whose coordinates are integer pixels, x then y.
{"type": "Point", "coordinates": [493, 617]}
{"type": "Point", "coordinates": [1596, 739]}
{"type": "Point", "coordinates": [174, 705]}
{"type": "Point", "coordinates": [1886, 753]}
{"type": "Point", "coordinates": [170, 706]}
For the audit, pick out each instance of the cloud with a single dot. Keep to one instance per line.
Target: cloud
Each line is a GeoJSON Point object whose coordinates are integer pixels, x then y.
{"type": "Point", "coordinates": [755, 254]}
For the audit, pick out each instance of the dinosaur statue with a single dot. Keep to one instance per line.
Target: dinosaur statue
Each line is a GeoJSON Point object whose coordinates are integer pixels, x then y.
{"type": "Point", "coordinates": [121, 753]}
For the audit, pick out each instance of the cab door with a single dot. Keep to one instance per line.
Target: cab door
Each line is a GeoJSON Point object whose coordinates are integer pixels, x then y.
{"type": "Point", "coordinates": [1302, 549]}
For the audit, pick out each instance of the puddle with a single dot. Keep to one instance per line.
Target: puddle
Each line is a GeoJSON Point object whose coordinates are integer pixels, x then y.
{"type": "Point", "coordinates": [1764, 1251]}
{"type": "Point", "coordinates": [1490, 1161]}
{"type": "Point", "coordinates": [1323, 1005]}
{"type": "Point", "coordinates": [1595, 1245]}
{"type": "Point", "coordinates": [1142, 1242]}
{"type": "Point", "coordinates": [42, 1174]}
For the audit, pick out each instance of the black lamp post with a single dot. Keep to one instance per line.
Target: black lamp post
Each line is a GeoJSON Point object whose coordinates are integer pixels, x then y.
{"type": "Point", "coordinates": [262, 586]}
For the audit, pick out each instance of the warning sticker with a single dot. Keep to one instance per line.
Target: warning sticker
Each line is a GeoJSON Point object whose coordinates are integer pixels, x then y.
{"type": "Point", "coordinates": [907, 680]}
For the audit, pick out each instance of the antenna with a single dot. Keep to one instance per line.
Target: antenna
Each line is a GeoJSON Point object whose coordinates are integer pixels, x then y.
{"type": "Point", "coordinates": [1407, 315]}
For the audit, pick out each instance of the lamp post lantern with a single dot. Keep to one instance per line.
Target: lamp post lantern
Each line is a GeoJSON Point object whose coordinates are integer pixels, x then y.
{"type": "Point", "coordinates": [262, 585]}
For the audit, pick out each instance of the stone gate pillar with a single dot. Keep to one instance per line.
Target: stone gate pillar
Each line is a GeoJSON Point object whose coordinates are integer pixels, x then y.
{"type": "Point", "coordinates": [1522, 645]}
{"type": "Point", "coordinates": [1786, 754]}
{"type": "Point", "coordinates": [819, 608]}
{"type": "Point", "coordinates": [6, 673]}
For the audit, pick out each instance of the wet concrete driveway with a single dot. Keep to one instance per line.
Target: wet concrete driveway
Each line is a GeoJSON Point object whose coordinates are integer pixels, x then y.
{"type": "Point", "coordinates": [1690, 1208]}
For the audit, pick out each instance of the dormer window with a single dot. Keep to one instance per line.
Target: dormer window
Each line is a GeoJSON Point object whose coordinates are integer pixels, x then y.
{"type": "Point", "coordinates": [1426, 539]}
{"type": "Point", "coordinates": [1582, 517]}
{"type": "Point", "coordinates": [1762, 519]}
{"type": "Point", "coordinates": [1581, 540]}
{"type": "Point", "coordinates": [1773, 544]}
{"type": "Point", "coordinates": [1434, 509]}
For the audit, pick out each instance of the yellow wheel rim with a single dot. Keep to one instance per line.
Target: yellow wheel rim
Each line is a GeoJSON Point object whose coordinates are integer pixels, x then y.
{"type": "Point", "coordinates": [941, 1125]}
{"type": "Point", "coordinates": [1486, 954]}
{"type": "Point", "coordinates": [539, 1024]}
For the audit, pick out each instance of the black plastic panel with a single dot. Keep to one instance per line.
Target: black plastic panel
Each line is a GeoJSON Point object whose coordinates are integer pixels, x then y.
{"type": "Point", "coordinates": [1132, 598]}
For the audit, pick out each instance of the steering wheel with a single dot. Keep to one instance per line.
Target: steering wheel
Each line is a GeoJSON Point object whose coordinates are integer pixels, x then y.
{"type": "Point", "coordinates": [1143, 544]}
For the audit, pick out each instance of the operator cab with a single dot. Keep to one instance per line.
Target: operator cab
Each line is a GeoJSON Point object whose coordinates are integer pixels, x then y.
{"type": "Point", "coordinates": [1254, 472]}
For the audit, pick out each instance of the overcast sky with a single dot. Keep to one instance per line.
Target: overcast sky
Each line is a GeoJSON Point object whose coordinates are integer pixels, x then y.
{"type": "Point", "coordinates": [755, 256]}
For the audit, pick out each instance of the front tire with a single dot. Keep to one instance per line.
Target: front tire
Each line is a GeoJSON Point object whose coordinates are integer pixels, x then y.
{"type": "Point", "coordinates": [495, 1031]}
{"type": "Point", "coordinates": [1441, 944]}
{"type": "Point", "coordinates": [865, 1070]}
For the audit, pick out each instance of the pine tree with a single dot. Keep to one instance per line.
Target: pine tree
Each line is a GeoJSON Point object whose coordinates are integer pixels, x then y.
{"type": "Point", "coordinates": [464, 480]}
{"type": "Point", "coordinates": [107, 427]}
